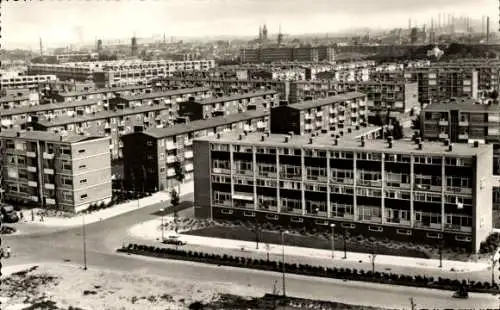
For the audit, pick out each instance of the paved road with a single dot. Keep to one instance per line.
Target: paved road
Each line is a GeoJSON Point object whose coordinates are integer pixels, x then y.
{"type": "Point", "coordinates": [105, 236]}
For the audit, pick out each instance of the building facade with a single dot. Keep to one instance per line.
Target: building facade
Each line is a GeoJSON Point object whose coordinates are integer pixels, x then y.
{"type": "Point", "coordinates": [337, 113]}
{"type": "Point", "coordinates": [149, 157]}
{"type": "Point", "coordinates": [397, 96]}
{"type": "Point", "coordinates": [25, 81]}
{"type": "Point", "coordinates": [67, 173]}
{"type": "Point", "coordinates": [424, 192]}
{"type": "Point", "coordinates": [228, 105]}
{"type": "Point", "coordinates": [286, 54]}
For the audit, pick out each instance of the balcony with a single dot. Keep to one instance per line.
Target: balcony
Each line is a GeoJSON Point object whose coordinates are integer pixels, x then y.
{"type": "Point", "coordinates": [48, 155]}
{"type": "Point", "coordinates": [188, 154]}
{"type": "Point", "coordinates": [221, 171]}
{"type": "Point", "coordinates": [31, 154]}
{"type": "Point", "coordinates": [188, 142]}
{"type": "Point", "coordinates": [188, 167]}
{"type": "Point", "coordinates": [171, 159]}
{"type": "Point", "coordinates": [34, 198]}
{"type": "Point", "coordinates": [170, 145]}
{"type": "Point", "coordinates": [463, 136]}
{"type": "Point", "coordinates": [463, 123]}
{"type": "Point", "coordinates": [261, 125]}
{"type": "Point", "coordinates": [170, 172]}
{"type": "Point", "coordinates": [307, 116]}
{"type": "Point", "coordinates": [49, 186]}
{"type": "Point", "coordinates": [443, 122]}
{"type": "Point", "coordinates": [31, 169]}
{"type": "Point", "coordinates": [457, 228]}
{"type": "Point", "coordinates": [443, 135]}
{"type": "Point", "coordinates": [456, 189]}
{"type": "Point", "coordinates": [48, 171]}
{"type": "Point", "coordinates": [32, 184]}
{"type": "Point", "coordinates": [50, 201]}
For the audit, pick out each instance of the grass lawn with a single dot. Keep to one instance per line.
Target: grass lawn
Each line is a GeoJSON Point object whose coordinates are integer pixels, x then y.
{"type": "Point", "coordinates": [316, 242]}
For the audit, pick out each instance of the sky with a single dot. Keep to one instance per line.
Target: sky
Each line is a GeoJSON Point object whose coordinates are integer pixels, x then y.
{"type": "Point", "coordinates": [64, 22]}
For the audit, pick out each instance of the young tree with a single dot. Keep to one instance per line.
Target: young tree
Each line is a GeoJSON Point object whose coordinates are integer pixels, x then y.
{"type": "Point", "coordinates": [174, 201]}
{"type": "Point", "coordinates": [372, 259]}
{"type": "Point", "coordinates": [179, 174]}
{"type": "Point", "coordinates": [268, 249]}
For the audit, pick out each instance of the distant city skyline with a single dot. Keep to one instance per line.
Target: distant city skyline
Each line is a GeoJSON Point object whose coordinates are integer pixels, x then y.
{"type": "Point", "coordinates": [61, 23]}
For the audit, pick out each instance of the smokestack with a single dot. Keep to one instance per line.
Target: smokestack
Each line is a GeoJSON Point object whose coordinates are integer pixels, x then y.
{"type": "Point", "coordinates": [487, 29]}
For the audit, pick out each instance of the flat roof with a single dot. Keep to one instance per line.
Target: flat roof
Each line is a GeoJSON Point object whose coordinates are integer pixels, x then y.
{"type": "Point", "coordinates": [326, 101]}
{"type": "Point", "coordinates": [236, 97]}
{"type": "Point", "coordinates": [375, 82]}
{"type": "Point", "coordinates": [48, 107]}
{"type": "Point", "coordinates": [102, 90]}
{"type": "Point", "coordinates": [205, 124]}
{"type": "Point", "coordinates": [47, 136]}
{"type": "Point", "coordinates": [165, 93]}
{"type": "Point", "coordinates": [348, 143]}
{"type": "Point", "coordinates": [462, 106]}
{"type": "Point", "coordinates": [64, 120]}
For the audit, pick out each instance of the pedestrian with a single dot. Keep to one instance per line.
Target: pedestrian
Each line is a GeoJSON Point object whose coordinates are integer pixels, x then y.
{"type": "Point", "coordinates": [21, 215]}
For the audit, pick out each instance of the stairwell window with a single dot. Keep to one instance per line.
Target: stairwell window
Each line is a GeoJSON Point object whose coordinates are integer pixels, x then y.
{"type": "Point", "coordinates": [83, 181]}
{"type": "Point", "coordinates": [84, 196]}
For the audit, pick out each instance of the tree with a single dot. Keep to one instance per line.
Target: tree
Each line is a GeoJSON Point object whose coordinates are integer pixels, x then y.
{"type": "Point", "coordinates": [179, 174]}
{"type": "Point", "coordinates": [268, 249]}
{"type": "Point", "coordinates": [373, 256]}
{"type": "Point", "coordinates": [493, 95]}
{"type": "Point", "coordinates": [413, 304]}
{"type": "Point", "coordinates": [174, 201]}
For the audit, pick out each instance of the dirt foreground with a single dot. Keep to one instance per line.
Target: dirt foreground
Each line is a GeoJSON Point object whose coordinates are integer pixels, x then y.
{"type": "Point", "coordinates": [53, 286]}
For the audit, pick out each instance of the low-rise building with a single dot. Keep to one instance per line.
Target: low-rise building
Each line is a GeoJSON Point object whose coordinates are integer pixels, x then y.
{"type": "Point", "coordinates": [101, 93]}
{"type": "Point", "coordinates": [414, 192]}
{"type": "Point", "coordinates": [335, 113]}
{"type": "Point", "coordinates": [25, 81]}
{"type": "Point", "coordinates": [67, 173]}
{"type": "Point", "coordinates": [150, 156]}
{"type": "Point", "coordinates": [227, 105]}
{"type": "Point", "coordinates": [20, 100]}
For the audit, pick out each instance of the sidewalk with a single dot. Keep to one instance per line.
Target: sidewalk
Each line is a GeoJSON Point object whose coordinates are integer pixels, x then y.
{"type": "Point", "coordinates": [97, 215]}
{"type": "Point", "coordinates": [151, 231]}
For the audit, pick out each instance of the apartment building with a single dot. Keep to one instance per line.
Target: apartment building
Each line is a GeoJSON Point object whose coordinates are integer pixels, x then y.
{"type": "Point", "coordinates": [25, 81]}
{"type": "Point", "coordinates": [310, 90]}
{"type": "Point", "coordinates": [19, 100]}
{"type": "Point", "coordinates": [401, 190]}
{"type": "Point", "coordinates": [488, 71]}
{"type": "Point", "coordinates": [16, 117]}
{"type": "Point", "coordinates": [104, 73]}
{"type": "Point", "coordinates": [227, 87]}
{"type": "Point", "coordinates": [437, 83]}
{"type": "Point", "coordinates": [336, 113]}
{"type": "Point", "coordinates": [67, 173]}
{"type": "Point", "coordinates": [101, 93]}
{"type": "Point", "coordinates": [119, 119]}
{"type": "Point", "coordinates": [286, 54]}
{"type": "Point", "coordinates": [228, 105]}
{"type": "Point", "coordinates": [149, 156]}
{"type": "Point", "coordinates": [170, 98]}
{"type": "Point", "coordinates": [398, 96]}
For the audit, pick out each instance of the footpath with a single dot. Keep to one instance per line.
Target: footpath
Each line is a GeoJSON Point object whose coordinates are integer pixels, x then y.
{"type": "Point", "coordinates": [92, 217]}
{"type": "Point", "coordinates": [150, 232]}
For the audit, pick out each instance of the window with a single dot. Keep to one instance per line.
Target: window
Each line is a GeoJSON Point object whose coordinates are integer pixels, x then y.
{"type": "Point", "coordinates": [81, 151]}
{"type": "Point", "coordinates": [83, 196]}
{"type": "Point", "coordinates": [82, 166]}
{"type": "Point", "coordinates": [83, 181]}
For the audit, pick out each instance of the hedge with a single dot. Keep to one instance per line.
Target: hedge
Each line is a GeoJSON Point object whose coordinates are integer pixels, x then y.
{"type": "Point", "coordinates": [304, 269]}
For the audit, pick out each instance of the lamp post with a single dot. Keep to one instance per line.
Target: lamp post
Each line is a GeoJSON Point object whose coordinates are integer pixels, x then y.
{"type": "Point", "coordinates": [162, 226]}
{"type": "Point", "coordinates": [84, 240]}
{"type": "Point", "coordinates": [333, 240]}
{"type": "Point", "coordinates": [283, 257]}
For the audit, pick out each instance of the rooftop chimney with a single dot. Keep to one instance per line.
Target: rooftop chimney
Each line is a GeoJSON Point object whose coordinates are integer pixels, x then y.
{"type": "Point", "coordinates": [341, 133]}
{"type": "Point", "coordinates": [349, 130]}
{"type": "Point", "coordinates": [450, 147]}
{"type": "Point", "coordinates": [476, 144]}
{"type": "Point", "coordinates": [218, 135]}
{"type": "Point", "coordinates": [240, 137]}
{"type": "Point", "coordinates": [18, 133]}
{"type": "Point", "coordinates": [446, 142]}
{"type": "Point", "coordinates": [290, 133]}
{"type": "Point", "coordinates": [263, 138]}
{"type": "Point", "coordinates": [362, 141]}
{"type": "Point", "coordinates": [287, 139]}
{"type": "Point", "coordinates": [357, 127]}
{"type": "Point", "coordinates": [324, 131]}
{"type": "Point", "coordinates": [418, 140]}
{"type": "Point", "coordinates": [420, 145]}
{"type": "Point", "coordinates": [311, 140]}
{"type": "Point", "coordinates": [245, 132]}
{"type": "Point", "coordinates": [333, 135]}
{"type": "Point", "coordinates": [335, 141]}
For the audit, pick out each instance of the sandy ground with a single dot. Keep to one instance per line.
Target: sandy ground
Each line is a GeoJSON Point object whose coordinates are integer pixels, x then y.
{"type": "Point", "coordinates": [102, 289]}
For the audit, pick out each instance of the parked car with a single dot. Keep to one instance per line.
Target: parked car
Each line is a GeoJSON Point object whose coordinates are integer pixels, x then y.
{"type": "Point", "coordinates": [8, 214]}
{"type": "Point", "coordinates": [174, 240]}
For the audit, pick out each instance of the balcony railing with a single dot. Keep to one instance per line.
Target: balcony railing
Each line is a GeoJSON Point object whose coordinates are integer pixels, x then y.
{"type": "Point", "coordinates": [457, 228]}
{"type": "Point", "coordinates": [32, 184]}
{"type": "Point", "coordinates": [31, 169]}
{"type": "Point", "coordinates": [48, 155]}
{"type": "Point", "coordinates": [31, 154]}
{"type": "Point", "coordinates": [463, 123]}
{"type": "Point", "coordinates": [243, 172]}
{"type": "Point", "coordinates": [463, 136]}
{"type": "Point", "coordinates": [443, 135]}
{"type": "Point", "coordinates": [225, 203]}
{"type": "Point", "coordinates": [443, 123]}
{"type": "Point", "coordinates": [221, 171]}
{"type": "Point", "coordinates": [48, 171]}
{"type": "Point", "coordinates": [171, 159]}
{"type": "Point", "coordinates": [49, 186]}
